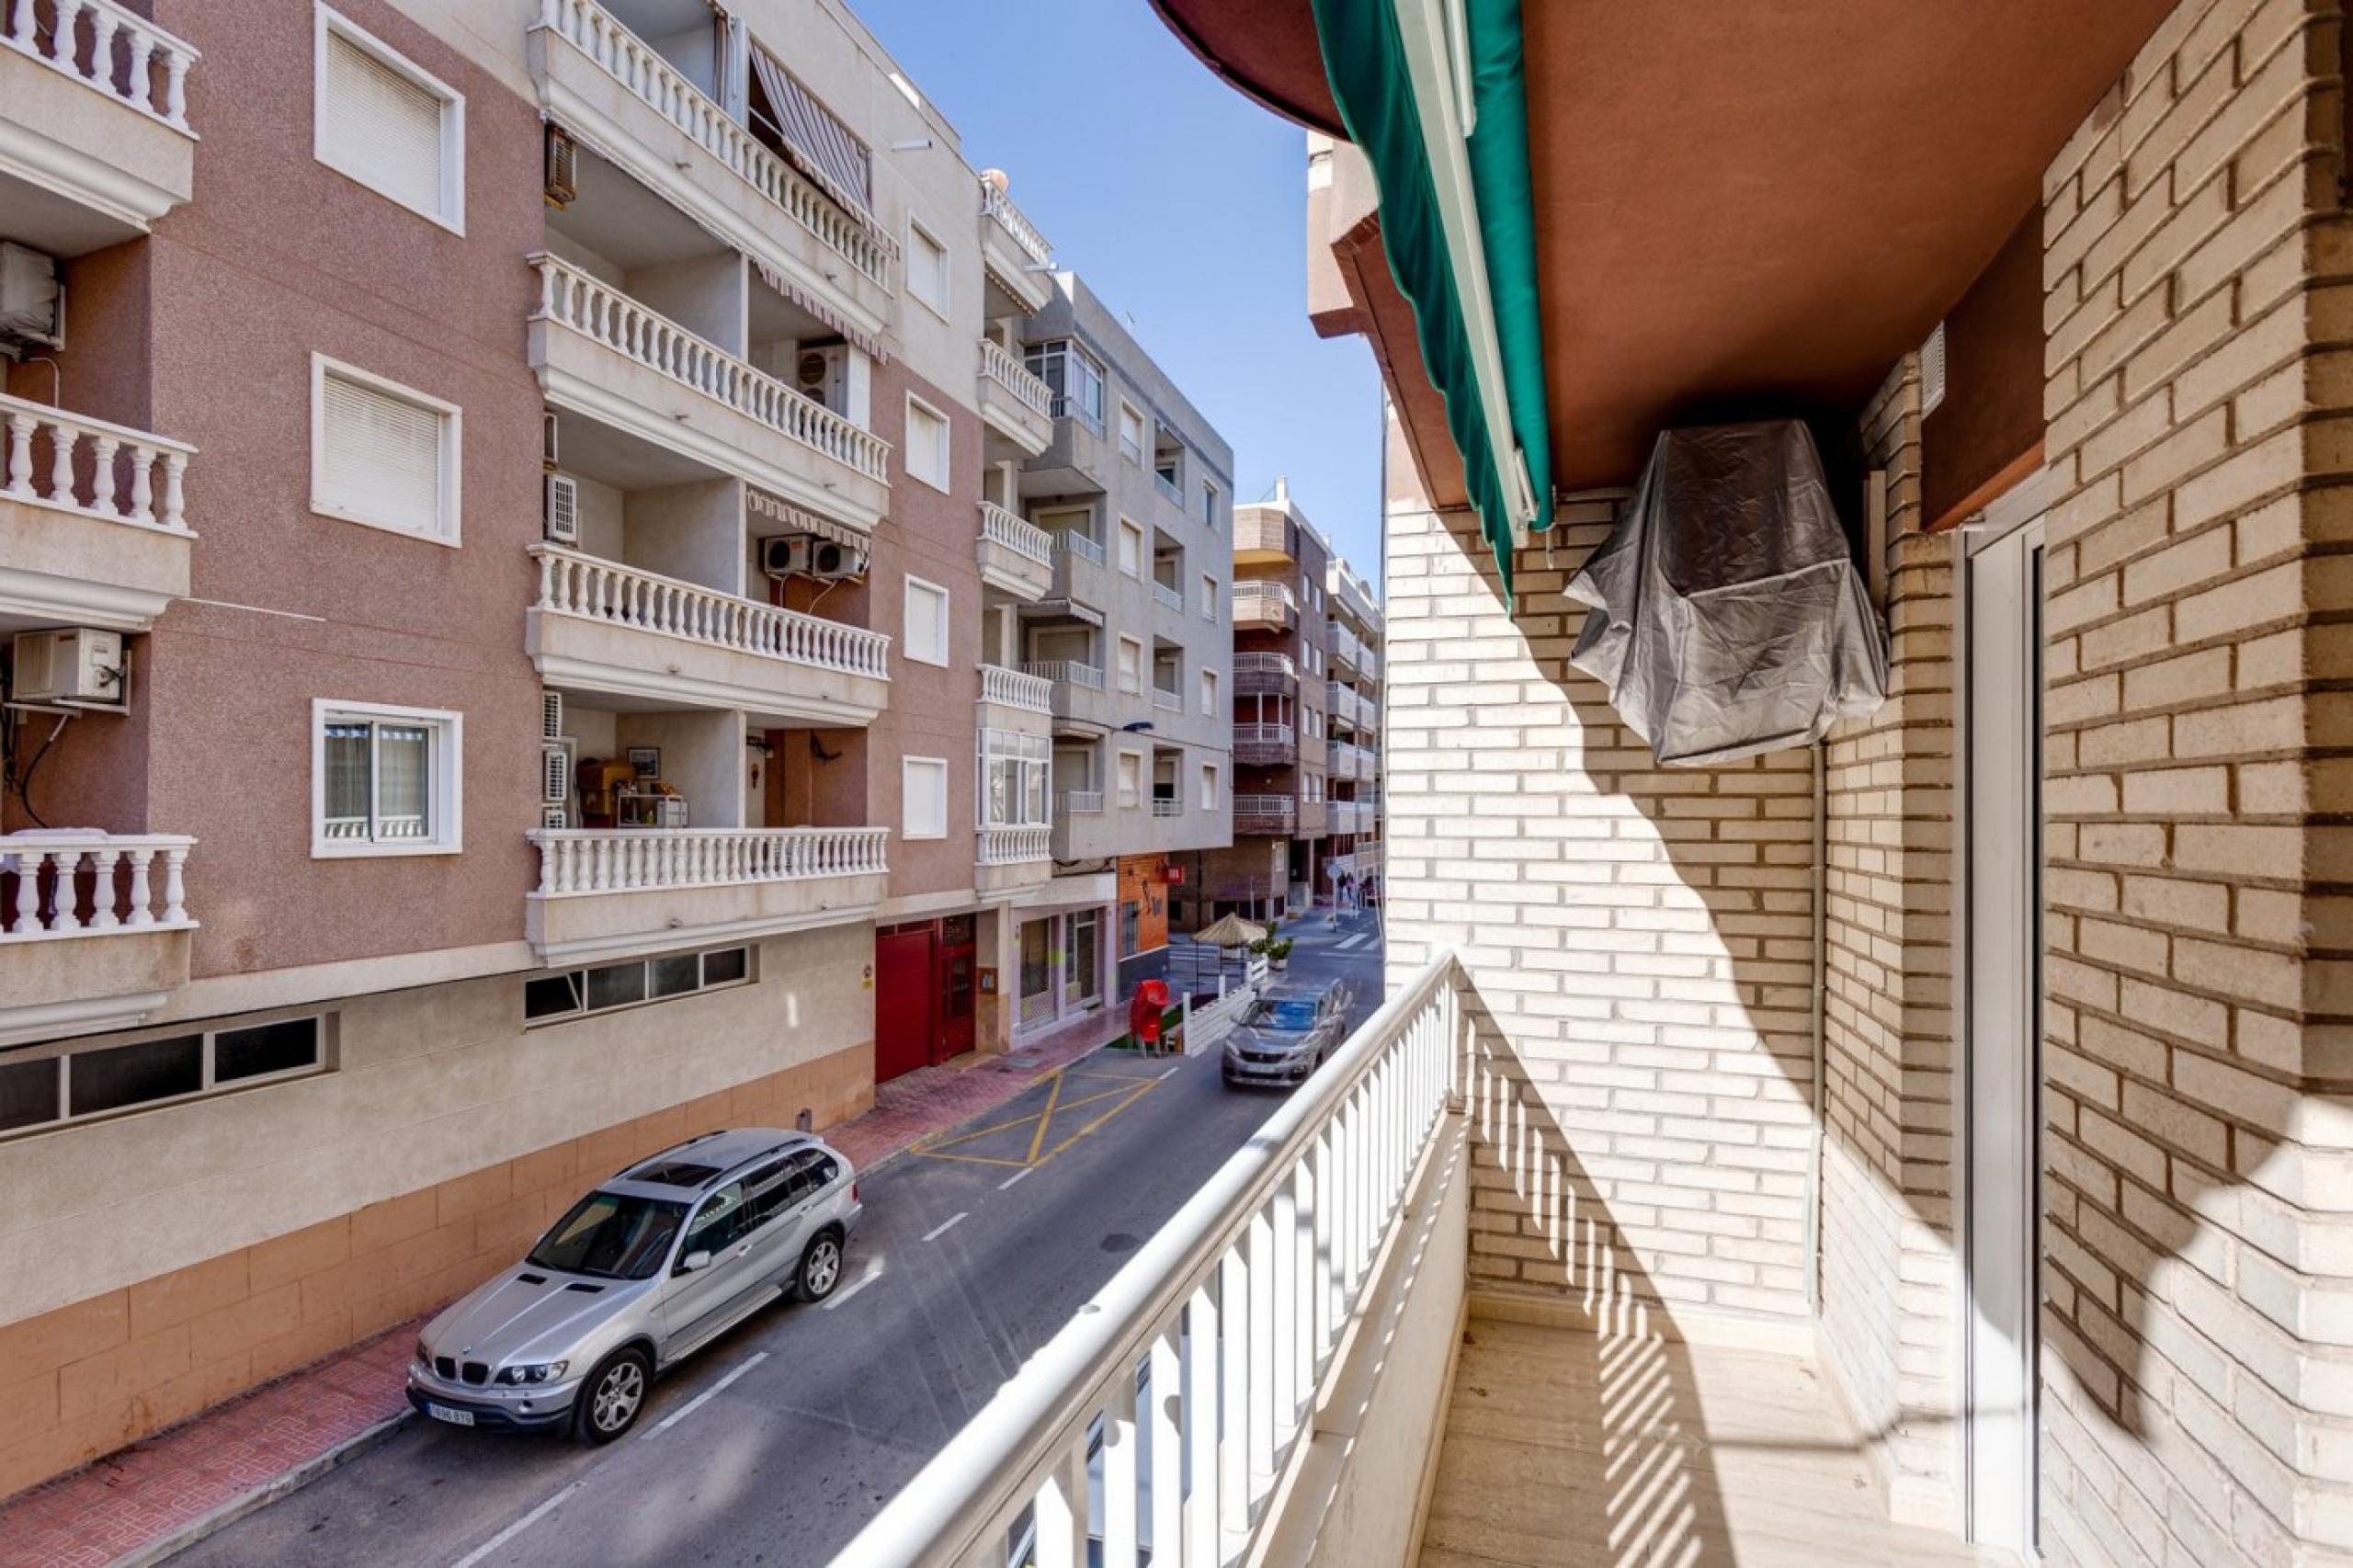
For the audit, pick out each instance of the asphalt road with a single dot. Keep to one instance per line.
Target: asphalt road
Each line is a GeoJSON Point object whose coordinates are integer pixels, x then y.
{"type": "Point", "coordinates": [775, 1444]}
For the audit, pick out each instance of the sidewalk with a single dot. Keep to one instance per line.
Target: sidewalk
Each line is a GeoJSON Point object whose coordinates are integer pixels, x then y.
{"type": "Point", "coordinates": [166, 1492]}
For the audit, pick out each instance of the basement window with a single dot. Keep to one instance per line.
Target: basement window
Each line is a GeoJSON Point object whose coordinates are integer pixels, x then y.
{"type": "Point", "coordinates": [606, 988]}
{"type": "Point", "coordinates": [40, 1092]}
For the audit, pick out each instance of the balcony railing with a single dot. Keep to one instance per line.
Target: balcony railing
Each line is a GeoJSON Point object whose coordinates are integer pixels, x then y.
{"type": "Point", "coordinates": [1168, 805]}
{"type": "Point", "coordinates": [601, 861]}
{"type": "Point", "coordinates": [1261, 733]}
{"type": "Point", "coordinates": [82, 884]}
{"type": "Point", "coordinates": [1265, 812]}
{"type": "Point", "coordinates": [1167, 701]}
{"type": "Point", "coordinates": [1016, 688]}
{"type": "Point", "coordinates": [997, 204]}
{"type": "Point", "coordinates": [1016, 533]}
{"type": "Point", "coordinates": [643, 73]}
{"type": "Point", "coordinates": [1014, 845]}
{"type": "Point", "coordinates": [1265, 601]}
{"type": "Point", "coordinates": [79, 464]}
{"type": "Point", "coordinates": [1233, 1314]}
{"type": "Point", "coordinates": [1067, 672]}
{"type": "Point", "coordinates": [1168, 487]}
{"type": "Point", "coordinates": [1070, 541]}
{"type": "Point", "coordinates": [573, 299]}
{"type": "Point", "coordinates": [128, 54]}
{"type": "Point", "coordinates": [595, 589]}
{"type": "Point", "coordinates": [1080, 802]}
{"type": "Point", "coordinates": [1172, 598]}
{"type": "Point", "coordinates": [999, 365]}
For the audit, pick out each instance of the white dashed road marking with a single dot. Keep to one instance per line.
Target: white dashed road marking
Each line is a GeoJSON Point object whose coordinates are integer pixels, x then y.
{"type": "Point", "coordinates": [517, 1528]}
{"type": "Point", "coordinates": [700, 1400]}
{"type": "Point", "coordinates": [943, 1227]}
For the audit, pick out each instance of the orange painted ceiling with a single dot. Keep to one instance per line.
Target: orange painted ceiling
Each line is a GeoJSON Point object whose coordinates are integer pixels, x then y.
{"type": "Point", "coordinates": [1748, 208]}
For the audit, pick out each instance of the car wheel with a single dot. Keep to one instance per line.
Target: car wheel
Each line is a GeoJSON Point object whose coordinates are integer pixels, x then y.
{"type": "Point", "coordinates": [821, 1268]}
{"type": "Point", "coordinates": [613, 1395]}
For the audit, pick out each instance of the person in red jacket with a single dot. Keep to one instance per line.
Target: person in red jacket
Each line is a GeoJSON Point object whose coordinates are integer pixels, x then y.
{"type": "Point", "coordinates": [1144, 1013]}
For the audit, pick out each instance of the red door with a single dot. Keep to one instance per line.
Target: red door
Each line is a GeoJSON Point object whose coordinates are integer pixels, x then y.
{"type": "Point", "coordinates": [903, 1030]}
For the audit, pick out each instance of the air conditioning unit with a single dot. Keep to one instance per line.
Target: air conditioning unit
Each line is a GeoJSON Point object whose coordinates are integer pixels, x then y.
{"type": "Point", "coordinates": [550, 716]}
{"type": "Point", "coordinates": [555, 773]}
{"type": "Point", "coordinates": [562, 167]}
{"type": "Point", "coordinates": [823, 374]}
{"type": "Point", "coordinates": [73, 664]}
{"type": "Point", "coordinates": [561, 511]}
{"type": "Point", "coordinates": [807, 555]}
{"type": "Point", "coordinates": [556, 818]}
{"type": "Point", "coordinates": [32, 302]}
{"type": "Point", "coordinates": [548, 447]}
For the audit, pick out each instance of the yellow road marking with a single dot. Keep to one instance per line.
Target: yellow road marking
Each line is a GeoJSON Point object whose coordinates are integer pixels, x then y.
{"type": "Point", "coordinates": [1130, 1090]}
{"type": "Point", "coordinates": [1053, 1097]}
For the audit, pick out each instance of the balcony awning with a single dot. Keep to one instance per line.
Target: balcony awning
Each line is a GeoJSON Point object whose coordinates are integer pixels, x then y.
{"type": "Point", "coordinates": [800, 520]}
{"type": "Point", "coordinates": [1458, 220]}
{"type": "Point", "coordinates": [1066, 608]}
{"type": "Point", "coordinates": [864, 342]}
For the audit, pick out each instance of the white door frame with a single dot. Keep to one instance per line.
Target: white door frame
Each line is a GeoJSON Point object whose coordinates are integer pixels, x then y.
{"type": "Point", "coordinates": [1998, 1462]}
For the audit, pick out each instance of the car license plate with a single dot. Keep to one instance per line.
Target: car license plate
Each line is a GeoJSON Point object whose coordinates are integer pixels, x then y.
{"type": "Point", "coordinates": [454, 1417]}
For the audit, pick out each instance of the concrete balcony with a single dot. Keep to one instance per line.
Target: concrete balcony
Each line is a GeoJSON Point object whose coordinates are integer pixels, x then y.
{"type": "Point", "coordinates": [1080, 828]}
{"type": "Point", "coordinates": [1312, 818]}
{"type": "Point", "coordinates": [600, 352]}
{"type": "Point", "coordinates": [1265, 605]}
{"type": "Point", "coordinates": [1018, 261]}
{"type": "Point", "coordinates": [1263, 536]}
{"type": "Point", "coordinates": [601, 626]}
{"type": "Point", "coordinates": [1078, 693]}
{"type": "Point", "coordinates": [600, 79]}
{"type": "Point", "coordinates": [94, 930]}
{"type": "Point", "coordinates": [1265, 816]}
{"type": "Point", "coordinates": [609, 892]}
{"type": "Point", "coordinates": [1261, 745]}
{"type": "Point", "coordinates": [1016, 556]}
{"type": "Point", "coordinates": [1266, 674]}
{"type": "Point", "coordinates": [1340, 701]}
{"type": "Point", "coordinates": [1016, 405]}
{"type": "Point", "coordinates": [1347, 649]}
{"type": "Point", "coordinates": [1016, 690]}
{"type": "Point", "coordinates": [1012, 858]}
{"type": "Point", "coordinates": [94, 142]}
{"type": "Point", "coordinates": [92, 531]}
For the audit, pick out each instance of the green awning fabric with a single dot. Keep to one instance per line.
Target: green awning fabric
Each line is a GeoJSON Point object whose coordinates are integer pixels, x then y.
{"type": "Point", "coordinates": [1364, 56]}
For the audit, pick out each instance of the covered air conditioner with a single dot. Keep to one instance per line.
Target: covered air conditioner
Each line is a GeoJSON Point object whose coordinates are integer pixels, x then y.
{"type": "Point", "coordinates": [559, 509]}
{"type": "Point", "coordinates": [73, 663]}
{"type": "Point", "coordinates": [32, 302]}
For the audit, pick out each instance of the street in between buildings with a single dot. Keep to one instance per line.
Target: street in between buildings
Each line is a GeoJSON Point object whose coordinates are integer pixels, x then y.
{"type": "Point", "coordinates": [773, 1446]}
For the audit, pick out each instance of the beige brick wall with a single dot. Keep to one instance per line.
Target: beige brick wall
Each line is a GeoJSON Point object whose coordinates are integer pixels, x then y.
{"type": "Point", "coordinates": [1886, 1225]}
{"type": "Point", "coordinates": [2198, 1375]}
{"type": "Point", "coordinates": [1640, 939]}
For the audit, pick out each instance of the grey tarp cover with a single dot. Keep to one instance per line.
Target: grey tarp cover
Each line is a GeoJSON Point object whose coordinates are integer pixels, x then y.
{"type": "Point", "coordinates": [1729, 618]}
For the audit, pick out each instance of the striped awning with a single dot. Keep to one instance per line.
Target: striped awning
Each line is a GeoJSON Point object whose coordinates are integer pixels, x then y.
{"type": "Point", "coordinates": [864, 342]}
{"type": "Point", "coordinates": [765, 508]}
{"type": "Point", "coordinates": [819, 144]}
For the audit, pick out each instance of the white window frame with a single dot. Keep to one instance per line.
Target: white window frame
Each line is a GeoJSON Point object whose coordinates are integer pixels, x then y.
{"type": "Point", "coordinates": [909, 765]}
{"type": "Point", "coordinates": [1027, 760]}
{"type": "Point", "coordinates": [1144, 433]}
{"type": "Point", "coordinates": [452, 533]}
{"type": "Point", "coordinates": [1209, 597]}
{"type": "Point", "coordinates": [1209, 694]}
{"type": "Point", "coordinates": [1127, 797]}
{"type": "Point", "coordinates": [1208, 787]}
{"type": "Point", "coordinates": [328, 23]}
{"type": "Point", "coordinates": [1119, 671]}
{"type": "Point", "coordinates": [1130, 529]}
{"type": "Point", "coordinates": [448, 781]}
{"type": "Point", "coordinates": [908, 617]}
{"type": "Point", "coordinates": [946, 268]}
{"type": "Point", "coordinates": [947, 452]}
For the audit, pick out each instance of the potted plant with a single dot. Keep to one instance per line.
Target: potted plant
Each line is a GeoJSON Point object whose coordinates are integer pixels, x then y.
{"type": "Point", "coordinates": [1278, 953]}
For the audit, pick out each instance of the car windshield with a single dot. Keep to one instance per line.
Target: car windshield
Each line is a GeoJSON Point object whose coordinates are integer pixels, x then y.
{"type": "Point", "coordinates": [612, 1236]}
{"type": "Point", "coordinates": [1291, 1018]}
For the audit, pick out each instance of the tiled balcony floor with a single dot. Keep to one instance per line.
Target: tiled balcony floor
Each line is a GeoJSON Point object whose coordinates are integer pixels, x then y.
{"type": "Point", "coordinates": [1564, 1447]}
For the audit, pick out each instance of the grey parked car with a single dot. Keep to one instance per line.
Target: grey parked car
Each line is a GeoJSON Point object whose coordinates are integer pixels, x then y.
{"type": "Point", "coordinates": [1287, 1034]}
{"type": "Point", "coordinates": [642, 1273]}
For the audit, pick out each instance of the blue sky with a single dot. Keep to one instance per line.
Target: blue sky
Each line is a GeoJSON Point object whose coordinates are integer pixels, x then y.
{"type": "Point", "coordinates": [1182, 205]}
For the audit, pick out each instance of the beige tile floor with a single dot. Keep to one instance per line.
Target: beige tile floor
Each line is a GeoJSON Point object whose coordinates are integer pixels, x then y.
{"type": "Point", "coordinates": [1565, 1449]}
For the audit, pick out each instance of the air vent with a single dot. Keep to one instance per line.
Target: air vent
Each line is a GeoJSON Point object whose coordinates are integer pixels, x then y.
{"type": "Point", "coordinates": [560, 510]}
{"type": "Point", "coordinates": [1932, 371]}
{"type": "Point", "coordinates": [532, 1278]}
{"type": "Point", "coordinates": [586, 1290]}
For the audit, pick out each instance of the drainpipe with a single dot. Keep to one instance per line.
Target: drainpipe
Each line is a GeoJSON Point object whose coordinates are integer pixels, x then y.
{"type": "Point", "coordinates": [1821, 1013]}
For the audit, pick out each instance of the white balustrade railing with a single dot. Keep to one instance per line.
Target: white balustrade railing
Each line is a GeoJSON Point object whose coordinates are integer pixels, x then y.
{"type": "Point", "coordinates": [1016, 688]}
{"type": "Point", "coordinates": [1264, 601]}
{"type": "Point", "coordinates": [74, 883]}
{"type": "Point", "coordinates": [655, 82]}
{"type": "Point", "coordinates": [1264, 665]}
{"type": "Point", "coordinates": [1168, 487]}
{"type": "Point", "coordinates": [592, 588]}
{"type": "Point", "coordinates": [997, 204]}
{"type": "Point", "coordinates": [1265, 734]}
{"type": "Point", "coordinates": [1067, 672]}
{"type": "Point", "coordinates": [1169, 805]}
{"type": "Point", "coordinates": [571, 297]}
{"type": "Point", "coordinates": [127, 57]}
{"type": "Point", "coordinates": [1081, 802]}
{"type": "Point", "coordinates": [79, 464]}
{"type": "Point", "coordinates": [999, 365]}
{"type": "Point", "coordinates": [1070, 541]}
{"type": "Point", "coordinates": [1167, 701]}
{"type": "Point", "coordinates": [1014, 845]}
{"type": "Point", "coordinates": [1016, 533]}
{"type": "Point", "coordinates": [592, 860]}
{"type": "Point", "coordinates": [1170, 596]}
{"type": "Point", "coordinates": [1228, 1318]}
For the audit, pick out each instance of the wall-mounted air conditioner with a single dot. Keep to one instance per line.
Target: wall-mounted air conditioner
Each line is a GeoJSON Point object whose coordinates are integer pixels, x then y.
{"type": "Point", "coordinates": [823, 374]}
{"type": "Point", "coordinates": [550, 716]}
{"type": "Point", "coordinates": [807, 555]}
{"type": "Point", "coordinates": [73, 663]}
{"type": "Point", "coordinates": [555, 773]}
{"type": "Point", "coordinates": [32, 302]}
{"type": "Point", "coordinates": [560, 166]}
{"type": "Point", "coordinates": [561, 509]}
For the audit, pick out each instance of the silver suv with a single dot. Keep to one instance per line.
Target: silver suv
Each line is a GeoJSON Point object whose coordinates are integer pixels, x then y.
{"type": "Point", "coordinates": [644, 1271]}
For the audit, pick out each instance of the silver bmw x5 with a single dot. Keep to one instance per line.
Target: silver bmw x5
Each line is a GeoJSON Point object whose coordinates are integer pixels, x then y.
{"type": "Point", "coordinates": [642, 1273]}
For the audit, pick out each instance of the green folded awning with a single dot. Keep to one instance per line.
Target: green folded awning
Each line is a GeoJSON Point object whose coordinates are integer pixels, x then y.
{"type": "Point", "coordinates": [1458, 226]}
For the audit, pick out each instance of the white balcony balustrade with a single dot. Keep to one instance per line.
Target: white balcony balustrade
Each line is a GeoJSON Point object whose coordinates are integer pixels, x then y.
{"type": "Point", "coordinates": [109, 49]}
{"type": "Point", "coordinates": [999, 207]}
{"type": "Point", "coordinates": [1167, 701]}
{"type": "Point", "coordinates": [93, 522]}
{"type": "Point", "coordinates": [1169, 596]}
{"type": "Point", "coordinates": [999, 365]}
{"type": "Point", "coordinates": [1079, 802]}
{"type": "Point", "coordinates": [79, 464]}
{"type": "Point", "coordinates": [1168, 805]}
{"type": "Point", "coordinates": [1016, 405]}
{"type": "Point", "coordinates": [1016, 688]}
{"type": "Point", "coordinates": [1265, 602]}
{"type": "Point", "coordinates": [1210, 1348]}
{"type": "Point", "coordinates": [598, 860]}
{"type": "Point", "coordinates": [79, 884]}
{"type": "Point", "coordinates": [1016, 556]}
{"type": "Point", "coordinates": [1067, 672]}
{"type": "Point", "coordinates": [1016, 533]}
{"type": "Point", "coordinates": [1070, 541]}
{"type": "Point", "coordinates": [1014, 845]}
{"type": "Point", "coordinates": [595, 589]}
{"type": "Point", "coordinates": [1265, 813]}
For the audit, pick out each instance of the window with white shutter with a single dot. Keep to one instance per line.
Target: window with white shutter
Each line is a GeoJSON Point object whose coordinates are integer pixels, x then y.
{"type": "Point", "coordinates": [926, 268]}
{"type": "Point", "coordinates": [923, 804]}
{"type": "Point", "coordinates": [925, 641]}
{"type": "Point", "coordinates": [382, 454]}
{"type": "Point", "coordinates": [395, 129]}
{"type": "Point", "coordinates": [926, 444]}
{"type": "Point", "coordinates": [383, 781]}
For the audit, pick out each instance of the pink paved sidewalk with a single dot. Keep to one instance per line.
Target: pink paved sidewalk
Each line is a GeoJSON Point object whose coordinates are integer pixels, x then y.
{"type": "Point", "coordinates": [137, 1499]}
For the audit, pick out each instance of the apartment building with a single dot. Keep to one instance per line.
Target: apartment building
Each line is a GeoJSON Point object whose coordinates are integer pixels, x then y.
{"type": "Point", "coordinates": [1352, 712]}
{"type": "Point", "coordinates": [1135, 494]}
{"type": "Point", "coordinates": [1305, 767]}
{"type": "Point", "coordinates": [513, 562]}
